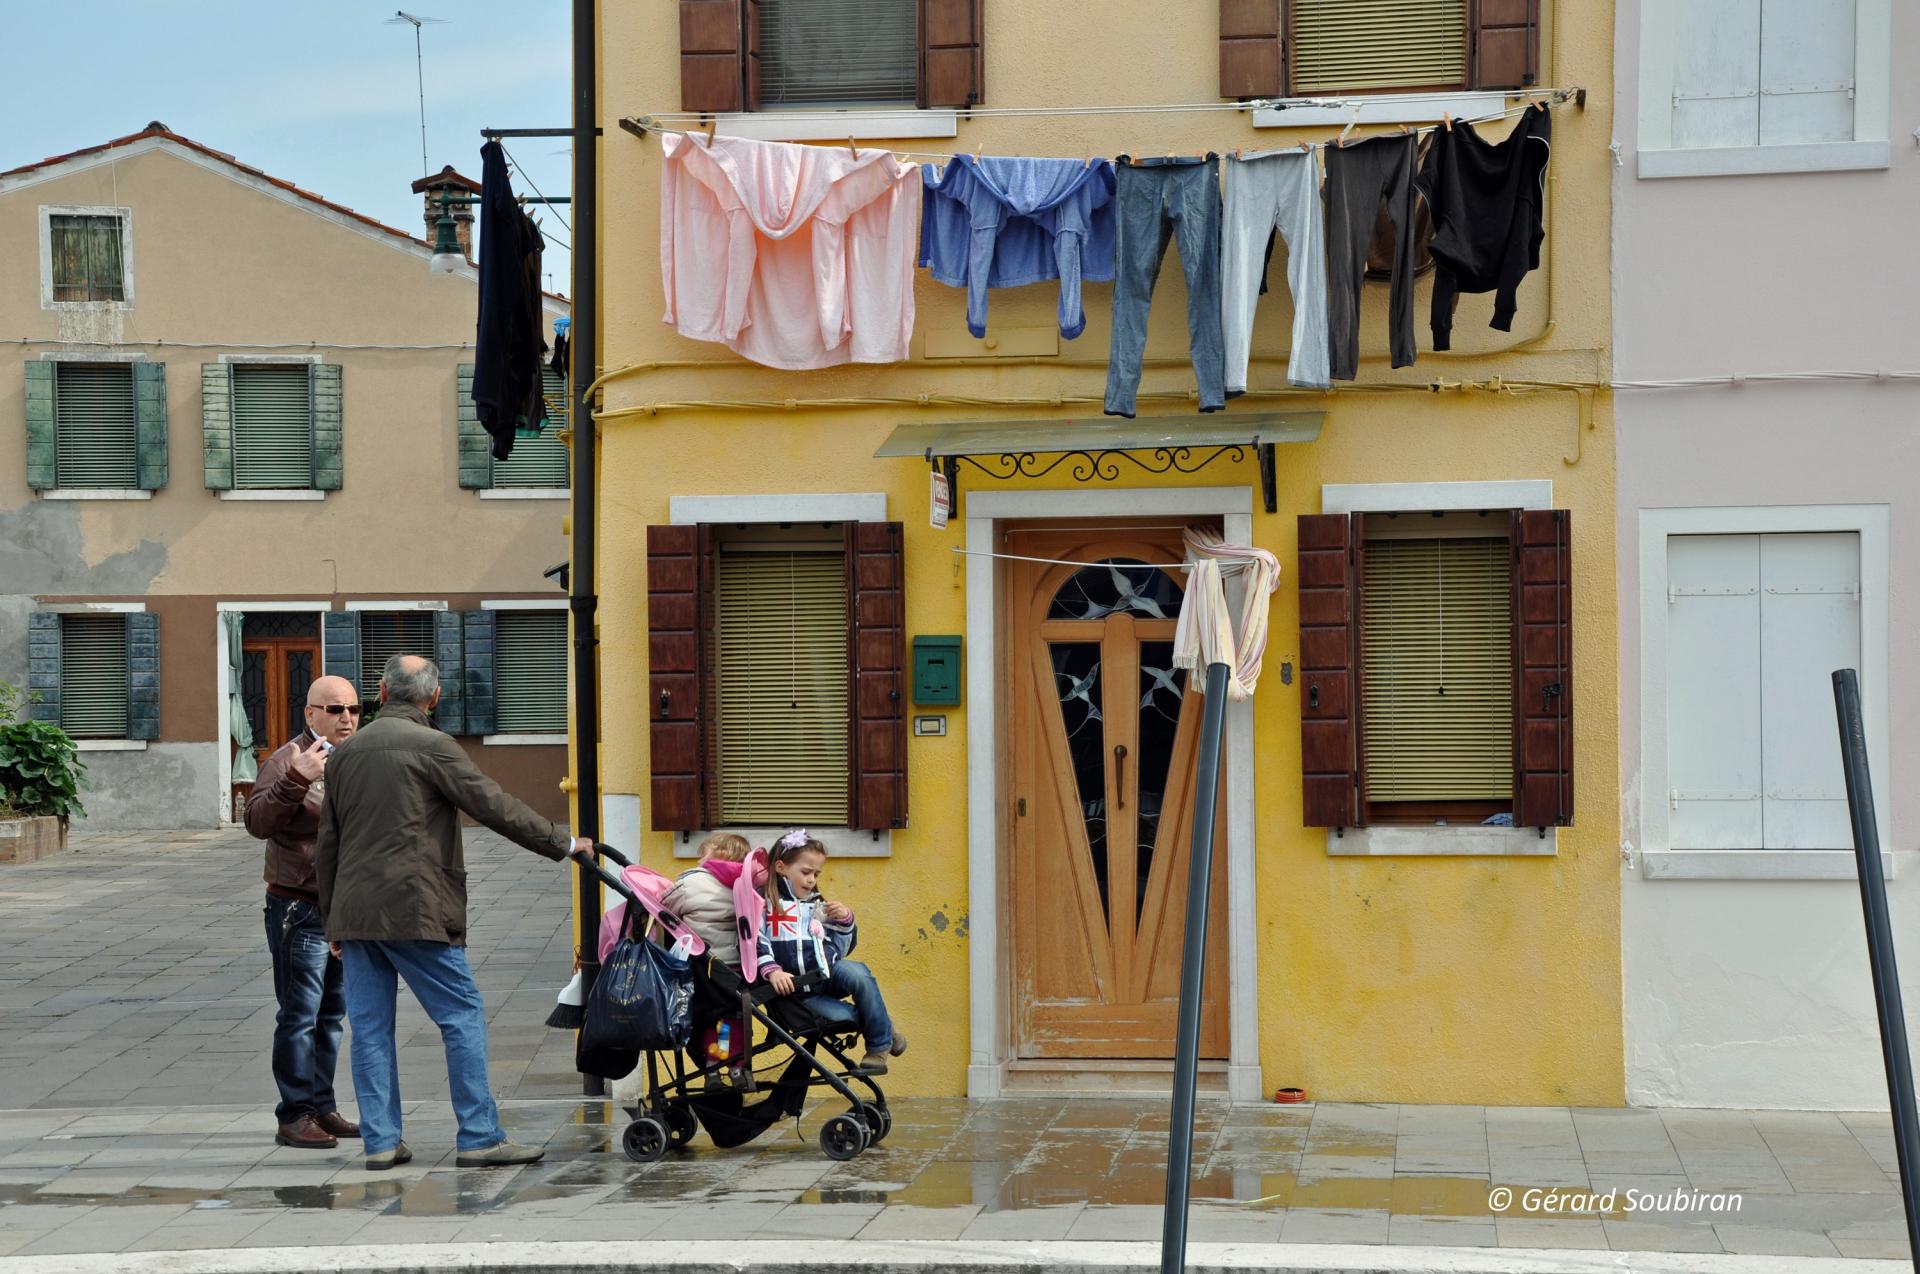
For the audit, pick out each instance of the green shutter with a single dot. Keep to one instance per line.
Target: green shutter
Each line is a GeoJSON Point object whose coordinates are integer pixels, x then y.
{"type": "Point", "coordinates": [273, 429]}
{"type": "Point", "coordinates": [540, 462]}
{"type": "Point", "coordinates": [43, 662]}
{"type": "Point", "coordinates": [476, 459]}
{"type": "Point", "coordinates": [448, 630]}
{"type": "Point", "coordinates": [94, 667]}
{"type": "Point", "coordinates": [150, 423]}
{"type": "Point", "coordinates": [386, 633]}
{"type": "Point", "coordinates": [98, 444]}
{"type": "Point", "coordinates": [43, 435]}
{"type": "Point", "coordinates": [327, 430]}
{"type": "Point", "coordinates": [143, 676]}
{"type": "Point", "coordinates": [341, 631]}
{"type": "Point", "coordinates": [477, 642]}
{"type": "Point", "coordinates": [216, 425]}
{"type": "Point", "coordinates": [530, 671]}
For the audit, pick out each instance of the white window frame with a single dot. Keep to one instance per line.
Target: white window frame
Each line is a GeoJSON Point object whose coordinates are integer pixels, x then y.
{"type": "Point", "coordinates": [1397, 841]}
{"type": "Point", "coordinates": [852, 506]}
{"type": "Point", "coordinates": [47, 213]}
{"type": "Point", "coordinates": [100, 608]}
{"type": "Point", "coordinates": [820, 124]}
{"type": "Point", "coordinates": [1338, 110]}
{"type": "Point", "coordinates": [522, 740]}
{"type": "Point", "coordinates": [1658, 860]}
{"type": "Point", "coordinates": [1872, 79]}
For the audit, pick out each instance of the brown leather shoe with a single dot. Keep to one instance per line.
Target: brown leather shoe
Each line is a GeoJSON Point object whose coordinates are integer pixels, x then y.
{"type": "Point", "coordinates": [305, 1133]}
{"type": "Point", "coordinates": [337, 1124]}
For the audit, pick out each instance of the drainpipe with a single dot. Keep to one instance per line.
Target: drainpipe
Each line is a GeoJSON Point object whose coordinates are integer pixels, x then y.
{"type": "Point", "coordinates": [584, 357]}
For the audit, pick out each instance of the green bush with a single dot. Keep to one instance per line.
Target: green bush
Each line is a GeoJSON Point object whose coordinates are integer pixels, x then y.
{"type": "Point", "coordinates": [41, 772]}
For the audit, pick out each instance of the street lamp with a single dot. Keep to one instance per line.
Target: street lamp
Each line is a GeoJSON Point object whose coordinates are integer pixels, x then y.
{"type": "Point", "coordinates": [447, 254]}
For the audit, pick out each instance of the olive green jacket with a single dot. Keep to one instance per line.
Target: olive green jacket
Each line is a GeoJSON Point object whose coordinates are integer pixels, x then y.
{"type": "Point", "coordinates": [388, 855]}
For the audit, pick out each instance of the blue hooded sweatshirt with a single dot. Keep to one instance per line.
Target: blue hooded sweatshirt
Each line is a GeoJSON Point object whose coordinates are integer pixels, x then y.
{"type": "Point", "coordinates": [1002, 222]}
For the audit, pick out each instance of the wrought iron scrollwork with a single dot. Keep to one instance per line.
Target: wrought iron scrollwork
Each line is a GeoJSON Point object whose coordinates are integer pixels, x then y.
{"type": "Point", "coordinates": [1103, 464]}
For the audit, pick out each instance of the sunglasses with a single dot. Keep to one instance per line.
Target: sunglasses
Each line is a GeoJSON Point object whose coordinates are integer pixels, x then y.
{"type": "Point", "coordinates": [335, 709]}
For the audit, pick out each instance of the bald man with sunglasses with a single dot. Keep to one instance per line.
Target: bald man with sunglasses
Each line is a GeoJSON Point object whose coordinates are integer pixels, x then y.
{"type": "Point", "coordinates": [284, 810]}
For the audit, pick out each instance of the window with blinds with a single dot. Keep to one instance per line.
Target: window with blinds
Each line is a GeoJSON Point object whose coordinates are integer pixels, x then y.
{"type": "Point", "coordinates": [93, 676]}
{"type": "Point", "coordinates": [539, 462]}
{"type": "Point", "coordinates": [781, 684]}
{"type": "Point", "coordinates": [530, 671]}
{"type": "Point", "coordinates": [88, 258]}
{"type": "Point", "coordinates": [272, 426]}
{"type": "Point", "coordinates": [97, 435]}
{"type": "Point", "coordinates": [386, 633]}
{"type": "Point", "coordinates": [1378, 45]}
{"type": "Point", "coordinates": [1437, 669]}
{"type": "Point", "coordinates": [837, 52]}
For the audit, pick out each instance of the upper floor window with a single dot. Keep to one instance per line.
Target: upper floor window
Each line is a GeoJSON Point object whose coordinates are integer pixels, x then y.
{"type": "Point", "coordinates": [1307, 48]}
{"type": "Point", "coordinates": [87, 256]}
{"type": "Point", "coordinates": [272, 426]}
{"type": "Point", "coordinates": [97, 435]}
{"type": "Point", "coordinates": [539, 463]}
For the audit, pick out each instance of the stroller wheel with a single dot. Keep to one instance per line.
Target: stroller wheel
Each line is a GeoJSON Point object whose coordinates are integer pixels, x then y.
{"type": "Point", "coordinates": [843, 1137]}
{"type": "Point", "coordinates": [645, 1139]}
{"type": "Point", "coordinates": [879, 1121]}
{"type": "Point", "coordinates": [680, 1125]}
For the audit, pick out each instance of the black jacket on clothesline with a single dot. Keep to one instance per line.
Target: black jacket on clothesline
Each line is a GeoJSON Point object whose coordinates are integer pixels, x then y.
{"type": "Point", "coordinates": [508, 341]}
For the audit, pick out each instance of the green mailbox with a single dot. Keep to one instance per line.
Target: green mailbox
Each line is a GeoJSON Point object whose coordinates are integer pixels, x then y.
{"type": "Point", "coordinates": [936, 670]}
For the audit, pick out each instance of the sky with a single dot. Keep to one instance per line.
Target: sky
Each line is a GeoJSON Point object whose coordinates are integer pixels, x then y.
{"type": "Point", "coordinates": [319, 92]}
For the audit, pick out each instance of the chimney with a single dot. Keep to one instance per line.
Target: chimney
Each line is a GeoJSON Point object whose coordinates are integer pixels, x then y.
{"type": "Point", "coordinates": [447, 181]}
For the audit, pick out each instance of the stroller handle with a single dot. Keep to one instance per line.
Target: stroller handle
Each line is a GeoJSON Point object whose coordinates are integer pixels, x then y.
{"type": "Point", "coordinates": [608, 851]}
{"type": "Point", "coordinates": [614, 882]}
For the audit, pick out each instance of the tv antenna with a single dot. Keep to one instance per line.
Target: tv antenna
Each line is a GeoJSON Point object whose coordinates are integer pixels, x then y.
{"type": "Point", "coordinates": [419, 72]}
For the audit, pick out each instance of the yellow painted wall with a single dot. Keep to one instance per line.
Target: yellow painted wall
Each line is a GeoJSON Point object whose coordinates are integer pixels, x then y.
{"type": "Point", "coordinates": [1422, 980]}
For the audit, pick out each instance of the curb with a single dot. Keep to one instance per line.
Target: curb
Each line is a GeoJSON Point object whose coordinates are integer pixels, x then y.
{"type": "Point", "coordinates": [926, 1257]}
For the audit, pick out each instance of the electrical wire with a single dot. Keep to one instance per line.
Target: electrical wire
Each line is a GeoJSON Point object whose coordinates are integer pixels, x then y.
{"type": "Point", "coordinates": [530, 183]}
{"type": "Point", "coordinates": [310, 346]}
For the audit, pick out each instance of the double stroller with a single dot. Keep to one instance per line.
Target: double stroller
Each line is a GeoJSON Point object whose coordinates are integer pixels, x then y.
{"type": "Point", "coordinates": [760, 1082]}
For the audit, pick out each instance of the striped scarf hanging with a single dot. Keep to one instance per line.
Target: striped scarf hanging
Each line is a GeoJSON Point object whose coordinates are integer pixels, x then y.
{"type": "Point", "coordinates": [1204, 634]}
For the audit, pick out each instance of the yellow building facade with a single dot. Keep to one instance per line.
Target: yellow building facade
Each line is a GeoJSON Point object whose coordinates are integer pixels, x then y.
{"type": "Point", "coordinates": [1401, 961]}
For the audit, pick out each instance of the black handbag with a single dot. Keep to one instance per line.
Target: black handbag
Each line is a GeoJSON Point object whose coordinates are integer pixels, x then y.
{"type": "Point", "coordinates": [642, 1000]}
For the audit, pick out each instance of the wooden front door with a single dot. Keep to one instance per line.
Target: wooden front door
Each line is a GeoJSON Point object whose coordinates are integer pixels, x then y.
{"type": "Point", "coordinates": [1104, 739]}
{"type": "Point", "coordinates": [279, 659]}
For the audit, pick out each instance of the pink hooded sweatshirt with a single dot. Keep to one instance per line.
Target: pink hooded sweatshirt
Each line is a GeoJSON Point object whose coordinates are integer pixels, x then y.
{"type": "Point", "coordinates": [792, 256]}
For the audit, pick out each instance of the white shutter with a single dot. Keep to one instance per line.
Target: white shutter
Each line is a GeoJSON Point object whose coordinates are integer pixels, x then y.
{"type": "Point", "coordinates": [1809, 626]}
{"type": "Point", "coordinates": [1716, 76]}
{"type": "Point", "coordinates": [1713, 692]}
{"type": "Point", "coordinates": [386, 633]}
{"type": "Point", "coordinates": [93, 676]}
{"type": "Point", "coordinates": [1806, 71]}
{"type": "Point", "coordinates": [530, 671]}
{"type": "Point", "coordinates": [96, 427]}
{"type": "Point", "coordinates": [272, 425]}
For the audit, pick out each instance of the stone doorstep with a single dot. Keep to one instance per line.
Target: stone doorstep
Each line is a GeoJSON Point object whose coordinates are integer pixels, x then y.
{"type": "Point", "coordinates": [26, 840]}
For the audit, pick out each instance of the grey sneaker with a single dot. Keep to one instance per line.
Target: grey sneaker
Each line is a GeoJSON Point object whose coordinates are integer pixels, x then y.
{"type": "Point", "coordinates": [498, 1155]}
{"type": "Point", "coordinates": [381, 1160]}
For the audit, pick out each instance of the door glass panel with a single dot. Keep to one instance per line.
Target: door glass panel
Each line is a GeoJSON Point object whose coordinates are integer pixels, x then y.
{"type": "Point", "coordinates": [253, 696]}
{"type": "Point", "coordinates": [272, 623]}
{"type": "Point", "coordinates": [1163, 689]}
{"type": "Point", "coordinates": [299, 677]}
{"type": "Point", "coordinates": [1076, 678]}
{"type": "Point", "coordinates": [1118, 585]}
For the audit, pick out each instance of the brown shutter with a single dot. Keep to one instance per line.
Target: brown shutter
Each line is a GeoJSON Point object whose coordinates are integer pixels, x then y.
{"type": "Point", "coordinates": [1543, 708]}
{"type": "Point", "coordinates": [952, 72]}
{"type": "Point", "coordinates": [1504, 43]}
{"type": "Point", "coordinates": [679, 598]}
{"type": "Point", "coordinates": [1253, 48]}
{"type": "Point", "coordinates": [1330, 671]}
{"type": "Point", "coordinates": [750, 61]}
{"type": "Point", "coordinates": [710, 55]}
{"type": "Point", "coordinates": [877, 651]}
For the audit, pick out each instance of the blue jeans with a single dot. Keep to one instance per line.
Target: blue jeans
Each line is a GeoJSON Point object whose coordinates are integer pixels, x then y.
{"type": "Point", "coordinates": [1154, 203]}
{"type": "Point", "coordinates": [438, 976]}
{"type": "Point", "coordinates": [306, 1033]}
{"type": "Point", "coordinates": [868, 1011]}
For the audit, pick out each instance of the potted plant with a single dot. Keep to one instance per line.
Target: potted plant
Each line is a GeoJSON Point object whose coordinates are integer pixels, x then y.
{"type": "Point", "coordinates": [41, 775]}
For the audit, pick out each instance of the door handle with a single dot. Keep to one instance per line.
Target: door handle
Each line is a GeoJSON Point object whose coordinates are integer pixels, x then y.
{"type": "Point", "coordinates": [1120, 774]}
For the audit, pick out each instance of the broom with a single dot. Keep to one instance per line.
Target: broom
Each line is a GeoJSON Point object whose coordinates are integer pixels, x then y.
{"type": "Point", "coordinates": [569, 1011]}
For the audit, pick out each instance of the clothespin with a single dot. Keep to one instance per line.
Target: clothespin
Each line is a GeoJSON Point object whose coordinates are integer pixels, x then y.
{"type": "Point", "coordinates": [852, 149]}
{"type": "Point", "coordinates": [1404, 132]}
{"type": "Point", "coordinates": [1446, 120]}
{"type": "Point", "coordinates": [1306, 148]}
{"type": "Point", "coordinates": [1089, 162]}
{"type": "Point", "coordinates": [1351, 121]}
{"type": "Point", "coordinates": [713, 122]}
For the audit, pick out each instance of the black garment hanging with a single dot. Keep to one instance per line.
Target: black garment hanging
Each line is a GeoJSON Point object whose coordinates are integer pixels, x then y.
{"type": "Point", "coordinates": [508, 345]}
{"type": "Point", "coordinates": [1487, 199]}
{"type": "Point", "coordinates": [1360, 179]}
{"type": "Point", "coordinates": [558, 364]}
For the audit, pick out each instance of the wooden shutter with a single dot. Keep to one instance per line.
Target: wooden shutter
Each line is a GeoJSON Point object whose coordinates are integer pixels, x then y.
{"type": "Point", "coordinates": [876, 640]}
{"type": "Point", "coordinates": [952, 66]}
{"type": "Point", "coordinates": [1543, 712]}
{"type": "Point", "coordinates": [475, 454]}
{"type": "Point", "coordinates": [328, 434]}
{"type": "Point", "coordinates": [539, 462]}
{"type": "Point", "coordinates": [1330, 759]}
{"type": "Point", "coordinates": [449, 652]}
{"type": "Point", "coordinates": [216, 425]}
{"type": "Point", "coordinates": [150, 423]}
{"type": "Point", "coordinates": [340, 632]}
{"type": "Point", "coordinates": [1504, 43]}
{"type": "Point", "coordinates": [710, 55]}
{"type": "Point", "coordinates": [273, 435]}
{"type": "Point", "coordinates": [530, 671]}
{"type": "Point", "coordinates": [43, 433]}
{"type": "Point", "coordinates": [94, 667]}
{"type": "Point", "coordinates": [43, 660]}
{"type": "Point", "coordinates": [679, 610]}
{"type": "Point", "coordinates": [143, 676]}
{"type": "Point", "coordinates": [98, 443]}
{"type": "Point", "coordinates": [1343, 46]}
{"type": "Point", "coordinates": [476, 650]}
{"type": "Point", "coordinates": [1253, 48]}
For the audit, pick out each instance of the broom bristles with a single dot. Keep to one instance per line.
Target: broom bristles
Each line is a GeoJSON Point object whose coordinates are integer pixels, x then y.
{"type": "Point", "coordinates": [569, 1013]}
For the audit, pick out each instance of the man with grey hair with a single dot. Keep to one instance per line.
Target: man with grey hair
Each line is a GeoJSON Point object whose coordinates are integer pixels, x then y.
{"type": "Point", "coordinates": [393, 897]}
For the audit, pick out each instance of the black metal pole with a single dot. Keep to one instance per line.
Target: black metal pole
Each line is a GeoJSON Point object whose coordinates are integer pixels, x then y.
{"type": "Point", "coordinates": [583, 355]}
{"type": "Point", "coordinates": [1193, 970]}
{"type": "Point", "coordinates": [1886, 975]}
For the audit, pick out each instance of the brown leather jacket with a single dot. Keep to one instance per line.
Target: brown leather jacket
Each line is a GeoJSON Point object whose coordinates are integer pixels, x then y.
{"type": "Point", "coordinates": [284, 810]}
{"type": "Point", "coordinates": [388, 854]}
